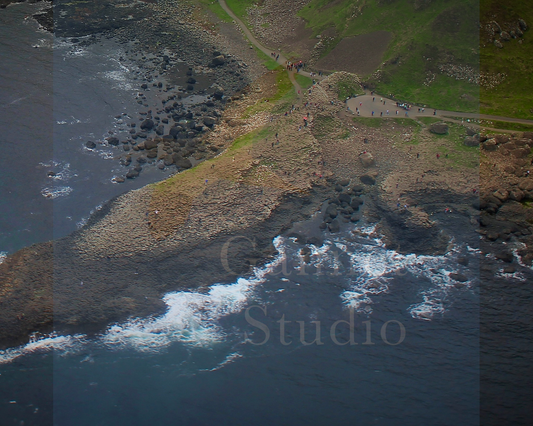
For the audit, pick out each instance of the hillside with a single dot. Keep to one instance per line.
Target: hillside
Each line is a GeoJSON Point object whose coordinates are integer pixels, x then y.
{"type": "Point", "coordinates": [422, 51]}
{"type": "Point", "coordinates": [506, 58]}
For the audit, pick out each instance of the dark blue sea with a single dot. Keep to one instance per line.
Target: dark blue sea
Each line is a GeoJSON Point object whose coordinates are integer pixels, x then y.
{"type": "Point", "coordinates": [245, 352]}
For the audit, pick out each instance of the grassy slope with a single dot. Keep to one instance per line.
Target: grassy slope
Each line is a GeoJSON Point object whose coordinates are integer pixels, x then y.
{"type": "Point", "coordinates": [445, 30]}
{"type": "Point", "coordinates": [512, 98]}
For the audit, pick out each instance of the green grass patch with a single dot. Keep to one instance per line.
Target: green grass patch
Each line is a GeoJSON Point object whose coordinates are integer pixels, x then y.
{"type": "Point", "coordinates": [507, 125]}
{"type": "Point", "coordinates": [303, 81]}
{"type": "Point", "coordinates": [251, 138]}
{"type": "Point", "coordinates": [348, 88]}
{"type": "Point", "coordinates": [459, 155]}
{"type": "Point", "coordinates": [238, 7]}
{"type": "Point", "coordinates": [425, 36]}
{"type": "Point", "coordinates": [268, 62]}
{"type": "Point", "coordinates": [284, 94]}
{"type": "Point", "coordinates": [326, 126]}
{"type": "Point", "coordinates": [214, 6]}
{"type": "Point", "coordinates": [368, 121]}
{"type": "Point", "coordinates": [428, 120]}
{"type": "Point", "coordinates": [512, 97]}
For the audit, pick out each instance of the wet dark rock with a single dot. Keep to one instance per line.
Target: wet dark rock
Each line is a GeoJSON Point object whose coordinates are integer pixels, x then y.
{"type": "Point", "coordinates": [345, 198]}
{"type": "Point", "coordinates": [147, 124]}
{"type": "Point", "coordinates": [90, 145]}
{"type": "Point", "coordinates": [334, 226]}
{"type": "Point", "coordinates": [113, 141]}
{"type": "Point", "coordinates": [331, 211]}
{"type": "Point", "coordinates": [209, 121]}
{"type": "Point", "coordinates": [504, 256]}
{"type": "Point", "coordinates": [132, 174]}
{"type": "Point", "coordinates": [142, 159]}
{"type": "Point", "coordinates": [160, 130]}
{"type": "Point", "coordinates": [168, 160]}
{"type": "Point", "coordinates": [183, 163]}
{"type": "Point", "coordinates": [458, 277]}
{"type": "Point", "coordinates": [462, 260]}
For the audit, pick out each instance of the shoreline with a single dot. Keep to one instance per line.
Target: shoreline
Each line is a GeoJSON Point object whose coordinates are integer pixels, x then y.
{"type": "Point", "coordinates": [169, 236]}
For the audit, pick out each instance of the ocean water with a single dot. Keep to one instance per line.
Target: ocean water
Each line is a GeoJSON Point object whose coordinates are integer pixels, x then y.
{"type": "Point", "coordinates": [204, 361]}
{"type": "Point", "coordinates": [415, 353]}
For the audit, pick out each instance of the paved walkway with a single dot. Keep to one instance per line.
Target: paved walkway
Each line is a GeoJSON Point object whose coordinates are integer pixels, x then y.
{"type": "Point", "coordinates": [378, 106]}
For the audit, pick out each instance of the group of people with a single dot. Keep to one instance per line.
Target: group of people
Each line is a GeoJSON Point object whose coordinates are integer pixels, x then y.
{"type": "Point", "coordinates": [294, 65]}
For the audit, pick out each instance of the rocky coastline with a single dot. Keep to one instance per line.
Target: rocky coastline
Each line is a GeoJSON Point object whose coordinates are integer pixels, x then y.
{"type": "Point", "coordinates": [210, 223]}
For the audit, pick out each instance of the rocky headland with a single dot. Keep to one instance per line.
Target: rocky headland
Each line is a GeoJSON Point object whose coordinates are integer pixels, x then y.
{"type": "Point", "coordinates": [253, 158]}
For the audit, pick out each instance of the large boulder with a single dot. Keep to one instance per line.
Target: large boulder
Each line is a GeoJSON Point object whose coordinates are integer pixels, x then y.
{"type": "Point", "coordinates": [219, 93]}
{"type": "Point", "coordinates": [331, 211]}
{"type": "Point", "coordinates": [520, 152]}
{"type": "Point", "coordinates": [150, 144]}
{"type": "Point", "coordinates": [368, 180]}
{"type": "Point", "coordinates": [522, 24]}
{"type": "Point", "coordinates": [471, 140]}
{"type": "Point", "coordinates": [183, 163]}
{"type": "Point", "coordinates": [334, 226]}
{"type": "Point", "coordinates": [367, 160]}
{"type": "Point", "coordinates": [147, 124]}
{"type": "Point", "coordinates": [505, 36]}
{"type": "Point", "coordinates": [217, 61]}
{"type": "Point", "coordinates": [439, 128]}
{"type": "Point", "coordinates": [490, 145]}
{"type": "Point", "coordinates": [209, 121]}
{"type": "Point", "coordinates": [113, 141]}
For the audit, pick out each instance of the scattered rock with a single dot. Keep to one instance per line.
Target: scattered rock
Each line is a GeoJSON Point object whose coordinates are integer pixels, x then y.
{"type": "Point", "coordinates": [90, 145]}
{"type": "Point", "coordinates": [439, 128]}
{"type": "Point", "coordinates": [113, 141]}
{"type": "Point", "coordinates": [367, 160]}
{"type": "Point", "coordinates": [217, 61]}
{"type": "Point", "coordinates": [334, 226]}
{"type": "Point", "coordinates": [367, 180]}
{"type": "Point", "coordinates": [147, 124]}
{"type": "Point", "coordinates": [331, 211]}
{"type": "Point", "coordinates": [471, 140]}
{"type": "Point", "coordinates": [458, 277]}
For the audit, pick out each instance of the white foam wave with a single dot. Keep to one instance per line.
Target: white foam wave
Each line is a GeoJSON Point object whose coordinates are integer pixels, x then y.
{"type": "Point", "coordinates": [373, 267]}
{"type": "Point", "coordinates": [191, 318]}
{"type": "Point", "coordinates": [3, 255]}
{"type": "Point", "coordinates": [56, 192]}
{"type": "Point", "coordinates": [65, 345]}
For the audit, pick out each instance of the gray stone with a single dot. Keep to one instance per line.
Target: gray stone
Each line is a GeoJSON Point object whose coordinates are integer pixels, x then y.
{"type": "Point", "coordinates": [439, 128]}
{"type": "Point", "coordinates": [367, 160]}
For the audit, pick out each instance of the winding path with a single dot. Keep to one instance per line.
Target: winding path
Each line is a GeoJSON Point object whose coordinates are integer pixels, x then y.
{"type": "Point", "coordinates": [281, 60]}
{"type": "Point", "coordinates": [369, 105]}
